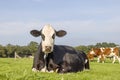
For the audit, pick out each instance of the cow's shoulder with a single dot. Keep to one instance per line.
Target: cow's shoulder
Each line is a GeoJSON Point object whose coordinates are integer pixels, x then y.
{"type": "Point", "coordinates": [64, 48]}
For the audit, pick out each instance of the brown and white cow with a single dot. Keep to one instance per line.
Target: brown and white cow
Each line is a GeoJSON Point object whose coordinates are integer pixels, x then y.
{"type": "Point", "coordinates": [102, 53]}
{"type": "Point", "coordinates": [112, 52]}
{"type": "Point", "coordinates": [96, 52]}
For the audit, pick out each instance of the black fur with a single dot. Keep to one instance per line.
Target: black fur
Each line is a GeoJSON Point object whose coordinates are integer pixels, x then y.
{"type": "Point", "coordinates": [64, 58]}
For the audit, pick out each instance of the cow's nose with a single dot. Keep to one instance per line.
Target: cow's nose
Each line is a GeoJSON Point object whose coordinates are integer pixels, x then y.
{"type": "Point", "coordinates": [48, 48]}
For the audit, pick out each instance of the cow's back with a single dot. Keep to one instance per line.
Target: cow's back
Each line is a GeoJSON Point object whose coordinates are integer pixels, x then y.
{"type": "Point", "coordinates": [60, 51]}
{"type": "Point", "coordinates": [69, 59]}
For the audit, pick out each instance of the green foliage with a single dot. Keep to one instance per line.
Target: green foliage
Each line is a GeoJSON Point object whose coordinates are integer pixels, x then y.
{"type": "Point", "coordinates": [83, 48]}
{"type": "Point", "coordinates": [9, 50]}
{"type": "Point", "coordinates": [104, 44]}
{"type": "Point", "coordinates": [20, 69]}
{"type": "Point", "coordinates": [2, 51]}
{"type": "Point", "coordinates": [33, 46]}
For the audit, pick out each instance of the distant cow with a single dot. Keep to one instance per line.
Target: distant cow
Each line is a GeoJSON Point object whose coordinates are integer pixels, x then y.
{"type": "Point", "coordinates": [102, 53]}
{"type": "Point", "coordinates": [95, 52]}
{"type": "Point", "coordinates": [57, 57]}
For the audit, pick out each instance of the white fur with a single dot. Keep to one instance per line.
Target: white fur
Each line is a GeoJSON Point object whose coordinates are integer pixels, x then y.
{"type": "Point", "coordinates": [102, 49]}
{"type": "Point", "coordinates": [114, 59]}
{"type": "Point", "coordinates": [35, 70]}
{"type": "Point", "coordinates": [99, 58]}
{"type": "Point", "coordinates": [86, 61]}
{"type": "Point", "coordinates": [45, 67]}
{"type": "Point", "coordinates": [112, 49]}
{"type": "Point", "coordinates": [118, 59]}
{"type": "Point", "coordinates": [114, 56]}
{"type": "Point", "coordinates": [48, 32]}
{"type": "Point", "coordinates": [92, 52]}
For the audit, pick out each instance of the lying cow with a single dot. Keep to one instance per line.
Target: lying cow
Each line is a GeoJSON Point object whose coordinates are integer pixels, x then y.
{"type": "Point", "coordinates": [51, 57]}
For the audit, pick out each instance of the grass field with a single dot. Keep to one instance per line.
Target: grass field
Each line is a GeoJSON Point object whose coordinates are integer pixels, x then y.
{"type": "Point", "coordinates": [20, 69]}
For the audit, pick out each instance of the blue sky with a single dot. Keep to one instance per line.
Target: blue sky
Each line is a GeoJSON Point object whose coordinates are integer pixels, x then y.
{"type": "Point", "coordinates": [86, 21]}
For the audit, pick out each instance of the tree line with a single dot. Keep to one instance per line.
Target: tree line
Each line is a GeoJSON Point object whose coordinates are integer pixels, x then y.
{"type": "Point", "coordinates": [30, 49]}
{"type": "Point", "coordinates": [9, 50]}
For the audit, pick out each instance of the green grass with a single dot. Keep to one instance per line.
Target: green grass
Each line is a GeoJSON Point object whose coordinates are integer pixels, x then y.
{"type": "Point", "coordinates": [20, 69]}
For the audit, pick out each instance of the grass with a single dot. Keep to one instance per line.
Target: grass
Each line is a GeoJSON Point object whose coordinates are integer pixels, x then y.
{"type": "Point", "coordinates": [20, 69]}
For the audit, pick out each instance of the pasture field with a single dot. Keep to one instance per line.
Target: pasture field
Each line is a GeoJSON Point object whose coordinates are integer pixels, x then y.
{"type": "Point", "coordinates": [20, 69]}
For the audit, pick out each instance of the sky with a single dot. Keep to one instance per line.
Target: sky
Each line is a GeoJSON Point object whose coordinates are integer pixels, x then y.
{"type": "Point", "coordinates": [87, 22]}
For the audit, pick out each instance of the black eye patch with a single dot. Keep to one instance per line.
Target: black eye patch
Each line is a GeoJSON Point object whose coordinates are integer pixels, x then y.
{"type": "Point", "coordinates": [43, 37]}
{"type": "Point", "coordinates": [53, 36]}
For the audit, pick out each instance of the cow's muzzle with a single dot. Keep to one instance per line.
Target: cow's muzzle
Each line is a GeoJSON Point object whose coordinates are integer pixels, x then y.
{"type": "Point", "coordinates": [48, 48]}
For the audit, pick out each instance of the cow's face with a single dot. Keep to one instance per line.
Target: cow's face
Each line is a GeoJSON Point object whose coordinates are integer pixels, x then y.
{"type": "Point", "coordinates": [48, 37]}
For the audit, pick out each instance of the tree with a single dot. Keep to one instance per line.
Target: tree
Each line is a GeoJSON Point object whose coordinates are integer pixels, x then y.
{"type": "Point", "coordinates": [33, 46]}
{"type": "Point", "coordinates": [82, 48]}
{"type": "Point", "coordinates": [10, 50]}
{"type": "Point", "coordinates": [2, 51]}
{"type": "Point", "coordinates": [105, 44]}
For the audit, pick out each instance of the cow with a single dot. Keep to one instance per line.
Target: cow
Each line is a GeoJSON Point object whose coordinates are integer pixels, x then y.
{"type": "Point", "coordinates": [112, 52]}
{"type": "Point", "coordinates": [102, 53]}
{"type": "Point", "coordinates": [59, 58]}
{"type": "Point", "coordinates": [96, 52]}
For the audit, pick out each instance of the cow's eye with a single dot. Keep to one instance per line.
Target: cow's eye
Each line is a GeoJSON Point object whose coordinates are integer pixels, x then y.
{"type": "Point", "coordinates": [53, 36]}
{"type": "Point", "coordinates": [43, 36]}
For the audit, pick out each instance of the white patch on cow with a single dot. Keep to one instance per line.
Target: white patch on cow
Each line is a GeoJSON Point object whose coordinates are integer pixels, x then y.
{"type": "Point", "coordinates": [92, 52]}
{"type": "Point", "coordinates": [118, 59]}
{"type": "Point", "coordinates": [102, 49]}
{"type": "Point", "coordinates": [111, 52]}
{"type": "Point", "coordinates": [45, 56]}
{"type": "Point", "coordinates": [63, 69]}
{"type": "Point", "coordinates": [99, 58]}
{"type": "Point", "coordinates": [45, 67]}
{"type": "Point", "coordinates": [35, 70]}
{"type": "Point", "coordinates": [48, 32]}
{"type": "Point", "coordinates": [112, 49]}
{"type": "Point", "coordinates": [51, 71]}
{"type": "Point", "coordinates": [113, 60]}
{"type": "Point", "coordinates": [56, 70]}
{"type": "Point", "coordinates": [86, 61]}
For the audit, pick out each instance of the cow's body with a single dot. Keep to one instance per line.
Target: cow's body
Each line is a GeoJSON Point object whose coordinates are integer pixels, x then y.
{"type": "Point", "coordinates": [95, 52]}
{"type": "Point", "coordinates": [66, 59]}
{"type": "Point", "coordinates": [112, 52]}
{"type": "Point", "coordinates": [102, 53]}
{"type": "Point", "coordinates": [57, 57]}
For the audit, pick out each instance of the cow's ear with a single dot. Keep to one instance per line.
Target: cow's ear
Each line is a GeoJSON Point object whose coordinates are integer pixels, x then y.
{"type": "Point", "coordinates": [35, 33]}
{"type": "Point", "coordinates": [61, 33]}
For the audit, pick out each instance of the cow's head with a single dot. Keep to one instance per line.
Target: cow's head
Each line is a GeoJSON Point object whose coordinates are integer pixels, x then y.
{"type": "Point", "coordinates": [48, 34]}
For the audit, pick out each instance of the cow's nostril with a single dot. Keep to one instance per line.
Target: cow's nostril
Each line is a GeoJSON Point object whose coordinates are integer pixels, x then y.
{"type": "Point", "coordinates": [48, 48]}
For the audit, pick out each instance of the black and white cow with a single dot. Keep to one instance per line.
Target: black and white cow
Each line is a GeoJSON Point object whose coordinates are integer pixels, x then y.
{"type": "Point", "coordinates": [50, 57]}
